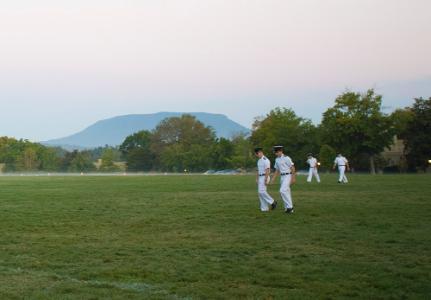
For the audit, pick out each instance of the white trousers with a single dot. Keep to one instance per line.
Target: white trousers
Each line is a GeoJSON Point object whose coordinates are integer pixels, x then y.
{"type": "Point", "coordinates": [342, 178]}
{"type": "Point", "coordinates": [265, 199]}
{"type": "Point", "coordinates": [313, 172]}
{"type": "Point", "coordinates": [285, 191]}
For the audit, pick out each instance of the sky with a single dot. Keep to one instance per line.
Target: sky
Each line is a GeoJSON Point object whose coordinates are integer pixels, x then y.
{"type": "Point", "coordinates": [67, 64]}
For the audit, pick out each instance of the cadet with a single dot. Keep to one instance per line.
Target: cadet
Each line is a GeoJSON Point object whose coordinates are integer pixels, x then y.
{"type": "Point", "coordinates": [286, 169]}
{"type": "Point", "coordinates": [312, 162]}
{"type": "Point", "coordinates": [343, 165]}
{"type": "Point", "coordinates": [262, 180]}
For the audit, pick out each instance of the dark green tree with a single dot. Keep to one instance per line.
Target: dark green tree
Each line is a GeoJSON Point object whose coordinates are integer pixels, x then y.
{"type": "Point", "coordinates": [401, 119]}
{"type": "Point", "coordinates": [23, 155]}
{"type": "Point", "coordinates": [10, 151]}
{"type": "Point", "coordinates": [108, 164]}
{"type": "Point", "coordinates": [183, 143]}
{"type": "Point", "coordinates": [136, 148]}
{"type": "Point", "coordinates": [78, 161]}
{"type": "Point", "coordinates": [28, 160]}
{"type": "Point", "coordinates": [97, 153]}
{"type": "Point", "coordinates": [418, 135]}
{"type": "Point", "coordinates": [283, 127]}
{"type": "Point", "coordinates": [222, 153]}
{"type": "Point", "coordinates": [326, 157]}
{"type": "Point", "coordinates": [50, 159]}
{"type": "Point", "coordinates": [356, 126]}
{"type": "Point", "coordinates": [243, 155]}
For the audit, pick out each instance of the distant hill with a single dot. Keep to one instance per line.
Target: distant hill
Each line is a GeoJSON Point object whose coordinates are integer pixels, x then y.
{"type": "Point", "coordinates": [113, 131]}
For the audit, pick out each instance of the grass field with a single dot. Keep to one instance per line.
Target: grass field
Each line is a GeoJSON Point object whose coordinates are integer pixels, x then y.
{"type": "Point", "coordinates": [203, 237]}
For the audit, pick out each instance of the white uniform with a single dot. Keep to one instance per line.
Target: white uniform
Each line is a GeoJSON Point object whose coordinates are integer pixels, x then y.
{"type": "Point", "coordinates": [266, 200]}
{"type": "Point", "coordinates": [284, 165]}
{"type": "Point", "coordinates": [312, 162]}
{"type": "Point", "coordinates": [341, 162]}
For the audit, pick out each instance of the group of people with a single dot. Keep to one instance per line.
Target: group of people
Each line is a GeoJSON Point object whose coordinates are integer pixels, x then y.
{"type": "Point", "coordinates": [285, 168]}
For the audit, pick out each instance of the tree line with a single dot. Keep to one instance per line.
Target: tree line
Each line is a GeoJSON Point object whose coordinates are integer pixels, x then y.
{"type": "Point", "coordinates": [356, 126]}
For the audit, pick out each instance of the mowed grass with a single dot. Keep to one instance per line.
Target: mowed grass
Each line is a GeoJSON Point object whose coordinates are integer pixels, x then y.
{"type": "Point", "coordinates": [203, 237]}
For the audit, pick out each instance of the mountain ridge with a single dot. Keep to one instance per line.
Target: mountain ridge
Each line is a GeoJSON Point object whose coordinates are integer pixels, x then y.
{"type": "Point", "coordinates": [112, 131]}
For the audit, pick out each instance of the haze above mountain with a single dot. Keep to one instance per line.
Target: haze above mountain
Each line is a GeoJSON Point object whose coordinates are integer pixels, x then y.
{"type": "Point", "coordinates": [114, 130]}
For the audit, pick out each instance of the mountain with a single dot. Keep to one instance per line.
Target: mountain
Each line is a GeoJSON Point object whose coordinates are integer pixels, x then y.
{"type": "Point", "coordinates": [113, 131]}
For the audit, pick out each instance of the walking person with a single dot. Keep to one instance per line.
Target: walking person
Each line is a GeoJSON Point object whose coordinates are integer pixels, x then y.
{"type": "Point", "coordinates": [262, 180]}
{"type": "Point", "coordinates": [343, 166]}
{"type": "Point", "coordinates": [313, 164]}
{"type": "Point", "coordinates": [285, 168]}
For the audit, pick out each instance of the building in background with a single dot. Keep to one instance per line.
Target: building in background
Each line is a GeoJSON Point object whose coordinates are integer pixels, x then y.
{"type": "Point", "coordinates": [395, 157]}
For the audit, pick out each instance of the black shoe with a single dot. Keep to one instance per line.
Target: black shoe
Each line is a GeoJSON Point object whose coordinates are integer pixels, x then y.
{"type": "Point", "coordinates": [274, 205]}
{"type": "Point", "coordinates": [289, 210]}
{"type": "Point", "coordinates": [339, 181]}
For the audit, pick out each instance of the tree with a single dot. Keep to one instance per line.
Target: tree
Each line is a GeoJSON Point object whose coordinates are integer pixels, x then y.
{"type": "Point", "coordinates": [179, 158]}
{"type": "Point", "coordinates": [172, 158]}
{"type": "Point", "coordinates": [326, 157]}
{"type": "Point", "coordinates": [50, 158]}
{"type": "Point", "coordinates": [108, 161]}
{"type": "Point", "coordinates": [418, 135]}
{"type": "Point", "coordinates": [401, 119]}
{"type": "Point", "coordinates": [136, 148]}
{"type": "Point", "coordinates": [283, 127]}
{"type": "Point", "coordinates": [222, 153]}
{"type": "Point", "coordinates": [23, 155]}
{"type": "Point", "coordinates": [182, 143]}
{"type": "Point", "coordinates": [78, 162]}
{"type": "Point", "coordinates": [28, 160]}
{"type": "Point", "coordinates": [356, 125]}
{"type": "Point", "coordinates": [96, 153]}
{"type": "Point", "coordinates": [243, 155]}
{"type": "Point", "coordinates": [10, 150]}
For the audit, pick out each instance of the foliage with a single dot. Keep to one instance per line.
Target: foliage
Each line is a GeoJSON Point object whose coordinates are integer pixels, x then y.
{"type": "Point", "coordinates": [25, 156]}
{"type": "Point", "coordinates": [283, 127]}
{"type": "Point", "coordinates": [418, 135]}
{"type": "Point", "coordinates": [50, 158]}
{"type": "Point", "coordinates": [191, 151]}
{"type": "Point", "coordinates": [401, 119]}
{"type": "Point", "coordinates": [326, 157]}
{"type": "Point", "coordinates": [28, 160]}
{"type": "Point", "coordinates": [182, 143]}
{"type": "Point", "coordinates": [97, 153]}
{"type": "Point", "coordinates": [243, 155]}
{"type": "Point", "coordinates": [355, 125]}
{"type": "Point", "coordinates": [222, 153]}
{"type": "Point", "coordinates": [136, 148]}
{"type": "Point", "coordinates": [78, 161]}
{"type": "Point", "coordinates": [108, 165]}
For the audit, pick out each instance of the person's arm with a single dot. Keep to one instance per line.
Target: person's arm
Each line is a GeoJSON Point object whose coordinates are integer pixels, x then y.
{"type": "Point", "coordinates": [335, 164]}
{"type": "Point", "coordinates": [267, 172]}
{"type": "Point", "coordinates": [293, 176]}
{"type": "Point", "coordinates": [347, 166]}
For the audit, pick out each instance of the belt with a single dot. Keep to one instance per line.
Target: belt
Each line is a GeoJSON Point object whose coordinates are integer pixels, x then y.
{"type": "Point", "coordinates": [262, 175]}
{"type": "Point", "coordinates": [284, 174]}
{"type": "Point", "coordinates": [342, 166]}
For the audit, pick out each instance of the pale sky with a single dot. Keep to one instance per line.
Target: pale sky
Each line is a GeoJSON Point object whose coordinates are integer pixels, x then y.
{"type": "Point", "coordinates": [66, 64]}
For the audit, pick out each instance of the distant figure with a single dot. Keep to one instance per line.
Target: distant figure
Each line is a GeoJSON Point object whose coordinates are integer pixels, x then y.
{"type": "Point", "coordinates": [343, 165]}
{"type": "Point", "coordinates": [262, 180]}
{"type": "Point", "coordinates": [286, 169]}
{"type": "Point", "coordinates": [312, 162]}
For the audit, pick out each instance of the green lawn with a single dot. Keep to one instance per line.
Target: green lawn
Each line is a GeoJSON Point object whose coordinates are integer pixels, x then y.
{"type": "Point", "coordinates": [201, 237]}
